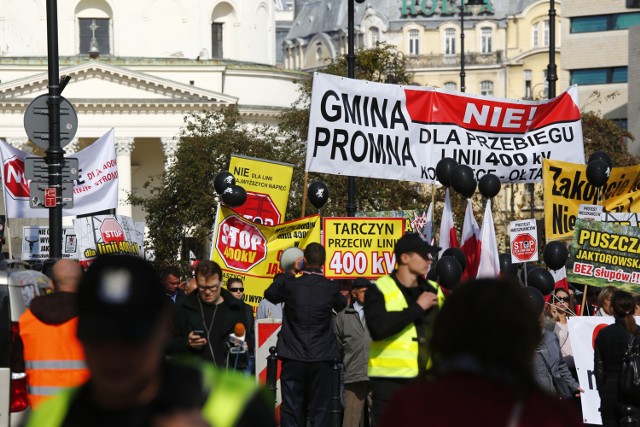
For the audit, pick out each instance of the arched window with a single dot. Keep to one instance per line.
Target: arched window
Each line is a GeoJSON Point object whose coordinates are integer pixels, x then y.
{"type": "Point", "coordinates": [449, 42]}
{"type": "Point", "coordinates": [545, 34]}
{"type": "Point", "coordinates": [452, 86]}
{"type": "Point", "coordinates": [374, 36]}
{"type": "Point", "coordinates": [485, 37]}
{"type": "Point", "coordinates": [486, 88]}
{"type": "Point", "coordinates": [94, 28]}
{"type": "Point", "coordinates": [414, 42]}
{"type": "Point", "coordinates": [535, 35]}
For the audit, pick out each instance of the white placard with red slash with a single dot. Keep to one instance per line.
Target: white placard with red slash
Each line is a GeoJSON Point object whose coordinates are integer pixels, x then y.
{"type": "Point", "coordinates": [524, 240]}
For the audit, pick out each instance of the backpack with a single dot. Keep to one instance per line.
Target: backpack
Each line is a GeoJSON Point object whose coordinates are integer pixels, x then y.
{"type": "Point", "coordinates": [629, 381]}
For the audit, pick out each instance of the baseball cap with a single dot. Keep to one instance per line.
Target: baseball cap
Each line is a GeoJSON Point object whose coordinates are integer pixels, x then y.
{"type": "Point", "coordinates": [412, 242]}
{"type": "Point", "coordinates": [120, 298]}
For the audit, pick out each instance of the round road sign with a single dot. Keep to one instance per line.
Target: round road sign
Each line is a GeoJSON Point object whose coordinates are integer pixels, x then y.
{"type": "Point", "coordinates": [36, 122]}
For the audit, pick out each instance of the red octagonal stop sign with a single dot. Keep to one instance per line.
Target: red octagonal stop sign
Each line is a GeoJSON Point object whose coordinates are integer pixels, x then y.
{"type": "Point", "coordinates": [524, 246]}
{"type": "Point", "coordinates": [240, 244]}
{"type": "Point", "coordinates": [260, 209]}
{"type": "Point", "coordinates": [111, 231]}
{"type": "Point", "coordinates": [17, 184]}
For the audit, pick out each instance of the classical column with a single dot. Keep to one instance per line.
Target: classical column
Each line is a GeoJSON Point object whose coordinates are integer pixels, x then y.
{"type": "Point", "coordinates": [124, 147]}
{"type": "Point", "coordinates": [20, 143]}
{"type": "Point", "coordinates": [169, 147]}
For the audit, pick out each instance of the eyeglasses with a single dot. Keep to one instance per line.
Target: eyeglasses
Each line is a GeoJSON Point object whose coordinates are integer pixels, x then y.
{"type": "Point", "coordinates": [564, 299]}
{"type": "Point", "coordinates": [236, 289]}
{"type": "Point", "coordinates": [211, 288]}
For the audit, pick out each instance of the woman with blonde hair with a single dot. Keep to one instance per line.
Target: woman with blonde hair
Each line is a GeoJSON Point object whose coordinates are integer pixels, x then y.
{"type": "Point", "coordinates": [604, 301]}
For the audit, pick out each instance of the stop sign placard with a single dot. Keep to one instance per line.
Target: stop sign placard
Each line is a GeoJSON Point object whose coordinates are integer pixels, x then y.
{"type": "Point", "coordinates": [111, 231]}
{"type": "Point", "coordinates": [240, 244]}
{"type": "Point", "coordinates": [17, 185]}
{"type": "Point", "coordinates": [524, 247]}
{"type": "Point", "coordinates": [260, 209]}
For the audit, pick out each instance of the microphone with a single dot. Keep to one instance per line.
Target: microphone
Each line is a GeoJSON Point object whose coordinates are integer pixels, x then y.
{"type": "Point", "coordinates": [236, 339]}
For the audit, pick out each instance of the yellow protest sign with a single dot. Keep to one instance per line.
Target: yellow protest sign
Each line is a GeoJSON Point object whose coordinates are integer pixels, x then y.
{"type": "Point", "coordinates": [267, 184]}
{"type": "Point", "coordinates": [361, 247]}
{"type": "Point", "coordinates": [252, 251]}
{"type": "Point", "coordinates": [566, 188]}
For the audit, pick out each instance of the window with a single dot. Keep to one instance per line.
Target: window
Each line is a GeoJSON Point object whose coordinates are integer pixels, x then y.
{"type": "Point", "coordinates": [486, 88]}
{"type": "Point", "coordinates": [527, 75]}
{"type": "Point", "coordinates": [94, 31]}
{"type": "Point", "coordinates": [593, 76]}
{"type": "Point", "coordinates": [414, 42]}
{"type": "Point", "coordinates": [617, 21]}
{"type": "Point", "coordinates": [452, 86]}
{"type": "Point", "coordinates": [545, 35]}
{"type": "Point", "coordinates": [535, 35]}
{"type": "Point", "coordinates": [545, 85]}
{"type": "Point", "coordinates": [485, 36]}
{"type": "Point", "coordinates": [374, 36]}
{"type": "Point", "coordinates": [318, 52]}
{"type": "Point", "coordinates": [449, 42]}
{"type": "Point", "coordinates": [216, 40]}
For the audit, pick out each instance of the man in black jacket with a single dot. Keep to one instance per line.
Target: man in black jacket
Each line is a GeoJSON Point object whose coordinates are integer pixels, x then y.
{"type": "Point", "coordinates": [204, 321]}
{"type": "Point", "coordinates": [306, 344]}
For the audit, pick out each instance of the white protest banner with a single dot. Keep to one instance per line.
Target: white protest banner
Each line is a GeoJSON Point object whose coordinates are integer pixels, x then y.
{"type": "Point", "coordinates": [35, 243]}
{"type": "Point", "coordinates": [108, 234]}
{"type": "Point", "coordinates": [376, 130]}
{"type": "Point", "coordinates": [95, 190]}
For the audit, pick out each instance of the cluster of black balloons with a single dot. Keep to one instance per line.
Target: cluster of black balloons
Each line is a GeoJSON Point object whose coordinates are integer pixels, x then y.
{"type": "Point", "coordinates": [447, 271]}
{"type": "Point", "coordinates": [599, 168]}
{"type": "Point", "coordinates": [318, 194]}
{"type": "Point", "coordinates": [232, 195]}
{"type": "Point", "coordinates": [462, 178]}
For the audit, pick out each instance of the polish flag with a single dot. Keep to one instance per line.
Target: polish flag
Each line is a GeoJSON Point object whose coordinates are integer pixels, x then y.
{"type": "Point", "coordinates": [448, 237]}
{"type": "Point", "coordinates": [560, 277]}
{"type": "Point", "coordinates": [489, 264]}
{"type": "Point", "coordinates": [470, 244]}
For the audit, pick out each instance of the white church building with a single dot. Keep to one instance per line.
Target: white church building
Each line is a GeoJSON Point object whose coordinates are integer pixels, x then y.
{"type": "Point", "coordinates": [140, 67]}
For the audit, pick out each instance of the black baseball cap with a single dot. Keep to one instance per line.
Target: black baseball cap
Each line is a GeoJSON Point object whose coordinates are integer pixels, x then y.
{"type": "Point", "coordinates": [413, 242]}
{"type": "Point", "coordinates": [120, 298]}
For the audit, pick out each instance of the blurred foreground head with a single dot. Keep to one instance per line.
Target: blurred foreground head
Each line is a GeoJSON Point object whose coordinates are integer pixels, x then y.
{"type": "Point", "coordinates": [489, 327]}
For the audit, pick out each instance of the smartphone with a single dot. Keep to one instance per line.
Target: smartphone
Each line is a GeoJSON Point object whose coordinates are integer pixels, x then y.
{"type": "Point", "coordinates": [200, 333]}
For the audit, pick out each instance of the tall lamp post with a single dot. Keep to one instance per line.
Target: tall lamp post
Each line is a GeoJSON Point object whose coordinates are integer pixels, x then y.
{"type": "Point", "coordinates": [552, 76]}
{"type": "Point", "coordinates": [462, 7]}
{"type": "Point", "coordinates": [351, 73]}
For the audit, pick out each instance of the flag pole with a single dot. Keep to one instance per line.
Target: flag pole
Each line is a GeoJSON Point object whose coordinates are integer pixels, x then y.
{"type": "Point", "coordinates": [304, 193]}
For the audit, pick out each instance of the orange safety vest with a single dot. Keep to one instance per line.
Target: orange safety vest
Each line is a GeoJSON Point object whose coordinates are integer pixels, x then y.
{"type": "Point", "coordinates": [53, 357]}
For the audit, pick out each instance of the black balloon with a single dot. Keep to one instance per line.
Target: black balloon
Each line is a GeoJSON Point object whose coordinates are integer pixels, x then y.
{"type": "Point", "coordinates": [318, 194]}
{"type": "Point", "coordinates": [600, 155]}
{"type": "Point", "coordinates": [234, 196]}
{"type": "Point", "coordinates": [222, 181]}
{"type": "Point", "coordinates": [541, 279]}
{"type": "Point", "coordinates": [555, 255]}
{"type": "Point", "coordinates": [507, 268]}
{"type": "Point", "coordinates": [489, 185]}
{"type": "Point", "coordinates": [458, 255]}
{"type": "Point", "coordinates": [443, 170]}
{"type": "Point", "coordinates": [536, 298]}
{"type": "Point", "coordinates": [449, 272]}
{"type": "Point", "coordinates": [463, 180]}
{"type": "Point", "coordinates": [598, 172]}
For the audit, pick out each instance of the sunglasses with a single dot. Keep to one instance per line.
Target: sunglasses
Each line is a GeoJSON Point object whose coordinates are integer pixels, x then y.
{"type": "Point", "coordinates": [564, 299]}
{"type": "Point", "coordinates": [236, 289]}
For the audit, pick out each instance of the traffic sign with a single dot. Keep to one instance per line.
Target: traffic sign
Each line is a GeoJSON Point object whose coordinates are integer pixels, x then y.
{"type": "Point", "coordinates": [111, 231]}
{"type": "Point", "coordinates": [50, 197]}
{"type": "Point", "coordinates": [38, 196]}
{"type": "Point", "coordinates": [241, 245]}
{"type": "Point", "coordinates": [36, 168]}
{"type": "Point", "coordinates": [524, 241]}
{"type": "Point", "coordinates": [260, 209]}
{"type": "Point", "coordinates": [36, 122]}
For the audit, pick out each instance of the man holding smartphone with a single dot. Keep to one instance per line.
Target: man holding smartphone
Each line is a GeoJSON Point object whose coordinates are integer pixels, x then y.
{"type": "Point", "coordinates": [205, 319]}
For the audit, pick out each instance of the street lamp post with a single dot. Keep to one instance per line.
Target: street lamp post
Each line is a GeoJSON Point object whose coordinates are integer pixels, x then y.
{"type": "Point", "coordinates": [462, 7]}
{"type": "Point", "coordinates": [351, 73]}
{"type": "Point", "coordinates": [552, 76]}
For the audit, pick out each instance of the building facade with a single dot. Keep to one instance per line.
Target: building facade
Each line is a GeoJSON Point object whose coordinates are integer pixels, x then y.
{"type": "Point", "coordinates": [506, 42]}
{"type": "Point", "coordinates": [140, 68]}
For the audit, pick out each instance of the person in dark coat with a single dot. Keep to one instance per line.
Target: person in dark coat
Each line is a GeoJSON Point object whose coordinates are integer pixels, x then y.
{"type": "Point", "coordinates": [306, 343]}
{"type": "Point", "coordinates": [610, 346]}
{"type": "Point", "coordinates": [171, 280]}
{"type": "Point", "coordinates": [204, 321]}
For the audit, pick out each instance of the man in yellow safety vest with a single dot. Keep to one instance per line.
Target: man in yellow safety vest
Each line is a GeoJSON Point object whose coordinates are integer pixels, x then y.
{"type": "Point", "coordinates": [400, 310]}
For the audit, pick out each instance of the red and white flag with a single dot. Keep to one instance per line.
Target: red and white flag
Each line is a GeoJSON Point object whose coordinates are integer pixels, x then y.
{"type": "Point", "coordinates": [470, 244]}
{"type": "Point", "coordinates": [560, 278]}
{"type": "Point", "coordinates": [95, 190]}
{"type": "Point", "coordinates": [448, 236]}
{"type": "Point", "coordinates": [489, 265]}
